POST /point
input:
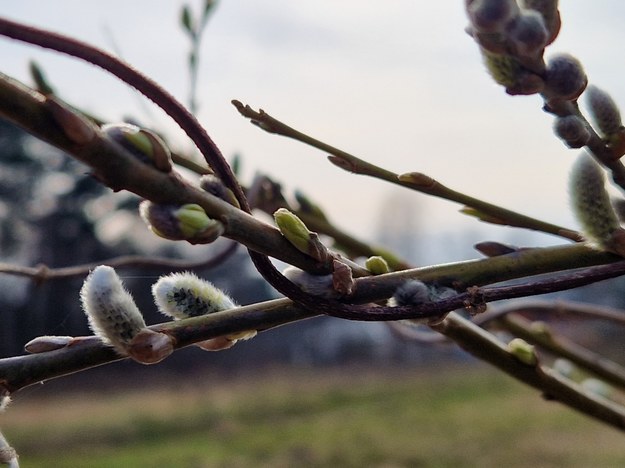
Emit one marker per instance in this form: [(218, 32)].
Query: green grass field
[(340, 418)]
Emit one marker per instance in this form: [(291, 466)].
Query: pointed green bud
[(143, 144), (296, 232), (187, 222), (192, 219), (523, 351), (591, 203), (572, 130), (565, 77), (603, 110), (377, 265)]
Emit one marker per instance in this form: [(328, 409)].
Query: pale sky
[(397, 83)]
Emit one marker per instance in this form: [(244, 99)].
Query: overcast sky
[(397, 83)]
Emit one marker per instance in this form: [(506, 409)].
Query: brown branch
[(41, 273)]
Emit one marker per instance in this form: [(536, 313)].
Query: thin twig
[(415, 181), (41, 273), (556, 309)]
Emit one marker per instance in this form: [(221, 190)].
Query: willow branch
[(415, 181), (486, 347), (554, 309), (562, 347), (17, 372), (119, 170), (41, 273)]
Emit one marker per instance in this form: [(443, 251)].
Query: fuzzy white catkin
[(112, 313), (591, 203), (184, 295)]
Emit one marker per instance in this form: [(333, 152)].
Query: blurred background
[(399, 84)]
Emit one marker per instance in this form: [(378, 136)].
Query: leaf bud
[(565, 77), (143, 144), (296, 232), (187, 222), (523, 351), (43, 344), (377, 265), (572, 130)]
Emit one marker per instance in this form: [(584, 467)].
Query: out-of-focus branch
[(415, 181), (486, 347), (41, 273), (562, 347), (554, 310)]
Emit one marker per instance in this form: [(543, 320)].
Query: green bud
[(187, 222), (299, 235), (394, 262), (143, 144), (377, 265), (523, 351), (192, 219)]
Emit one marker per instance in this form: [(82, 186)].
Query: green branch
[(415, 181)]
